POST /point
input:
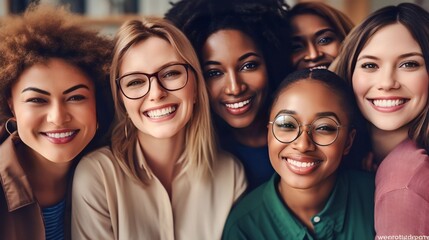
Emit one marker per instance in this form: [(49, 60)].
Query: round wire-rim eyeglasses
[(326, 128)]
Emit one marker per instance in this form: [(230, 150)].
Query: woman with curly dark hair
[(243, 48), (52, 80)]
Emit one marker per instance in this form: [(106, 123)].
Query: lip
[(62, 136), (388, 104), (301, 165), (238, 107), (161, 113)]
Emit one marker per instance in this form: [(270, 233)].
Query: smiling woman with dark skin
[(311, 129), (244, 50), (317, 33)]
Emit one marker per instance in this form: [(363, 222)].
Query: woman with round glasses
[(310, 196), (163, 176)]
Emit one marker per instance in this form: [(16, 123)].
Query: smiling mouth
[(301, 167), (238, 105), (61, 135), (386, 103), (300, 164), (160, 113), (323, 66)]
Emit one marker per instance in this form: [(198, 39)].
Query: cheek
[(87, 112), (274, 146), (360, 84), (421, 86), (132, 107), (296, 57), (333, 48), (214, 88)]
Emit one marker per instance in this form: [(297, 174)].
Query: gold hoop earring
[(6, 125)]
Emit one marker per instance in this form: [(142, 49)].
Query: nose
[(156, 91), (304, 143), (313, 53), (234, 84), (58, 114), (388, 79)]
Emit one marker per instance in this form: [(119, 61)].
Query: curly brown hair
[(45, 32)]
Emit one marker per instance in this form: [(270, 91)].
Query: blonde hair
[(200, 146)]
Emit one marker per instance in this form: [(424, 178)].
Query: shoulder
[(248, 211), (358, 177), (406, 167), (92, 164), (360, 184), (407, 150), (100, 156), (226, 160)]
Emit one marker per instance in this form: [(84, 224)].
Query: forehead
[(308, 22), (308, 98), (55, 74), (390, 41), (148, 55), (228, 42)]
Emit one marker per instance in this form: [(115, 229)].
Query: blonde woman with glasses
[(163, 176)]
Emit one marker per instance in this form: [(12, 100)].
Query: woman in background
[(317, 33), (385, 59), (244, 51), (51, 89), (163, 176)]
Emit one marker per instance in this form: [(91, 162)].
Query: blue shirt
[(255, 160), (54, 221)]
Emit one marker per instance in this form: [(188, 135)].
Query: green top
[(348, 214)]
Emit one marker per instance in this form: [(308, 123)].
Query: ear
[(10, 103), (349, 142)]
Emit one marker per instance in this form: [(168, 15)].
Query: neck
[(254, 135), (162, 154), (383, 142), (48, 179), (305, 203)]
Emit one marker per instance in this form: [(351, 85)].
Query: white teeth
[(159, 113), (301, 164), (60, 135), (238, 104), (388, 103), (320, 67)]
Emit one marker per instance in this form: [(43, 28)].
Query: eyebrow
[(48, 94), (320, 114), (318, 33), (157, 69), (241, 58), (249, 54), (75, 88), (405, 55), (322, 31)]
